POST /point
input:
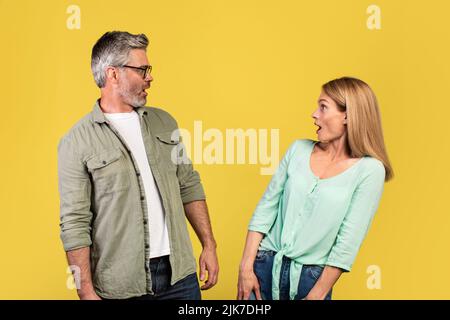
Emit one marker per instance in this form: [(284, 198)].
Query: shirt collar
[(98, 116)]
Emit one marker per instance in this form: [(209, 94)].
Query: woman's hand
[(325, 283), (312, 297), (247, 283)]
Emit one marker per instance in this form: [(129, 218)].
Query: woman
[(316, 211)]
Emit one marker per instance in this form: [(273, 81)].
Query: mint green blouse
[(316, 221)]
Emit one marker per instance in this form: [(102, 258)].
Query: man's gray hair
[(112, 49)]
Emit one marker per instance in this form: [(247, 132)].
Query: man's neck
[(113, 105)]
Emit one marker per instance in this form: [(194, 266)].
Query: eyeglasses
[(144, 71)]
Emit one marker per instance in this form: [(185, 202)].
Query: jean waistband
[(161, 258)]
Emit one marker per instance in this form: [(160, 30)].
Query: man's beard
[(132, 95)]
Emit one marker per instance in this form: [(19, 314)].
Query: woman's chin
[(319, 136)]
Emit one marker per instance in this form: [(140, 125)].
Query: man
[(125, 194)]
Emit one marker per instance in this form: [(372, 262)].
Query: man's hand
[(208, 263), (80, 258), (89, 296), (197, 214)]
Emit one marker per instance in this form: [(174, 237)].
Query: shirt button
[(147, 246), (145, 221), (142, 198), (138, 174), (104, 162)]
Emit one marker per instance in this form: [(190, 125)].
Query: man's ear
[(112, 74)]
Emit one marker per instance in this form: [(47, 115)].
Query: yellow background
[(233, 64)]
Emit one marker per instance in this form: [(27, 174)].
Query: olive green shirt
[(103, 206)]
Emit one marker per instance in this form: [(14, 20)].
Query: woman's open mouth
[(319, 128)]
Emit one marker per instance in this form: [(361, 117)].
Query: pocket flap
[(103, 158), (169, 137)]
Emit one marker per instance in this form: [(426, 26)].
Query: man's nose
[(149, 78)]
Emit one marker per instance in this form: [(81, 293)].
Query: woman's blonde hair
[(364, 131)]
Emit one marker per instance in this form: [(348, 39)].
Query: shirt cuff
[(344, 267), (193, 194)]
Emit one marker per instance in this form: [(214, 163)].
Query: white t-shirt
[(129, 128)]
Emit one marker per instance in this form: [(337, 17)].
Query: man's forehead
[(138, 56)]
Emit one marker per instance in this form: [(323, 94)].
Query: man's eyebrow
[(325, 100), (144, 65)]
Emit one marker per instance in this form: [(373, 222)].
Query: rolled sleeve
[(191, 188), (75, 190), (359, 216)]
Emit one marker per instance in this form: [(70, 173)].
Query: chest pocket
[(109, 171), (170, 149)]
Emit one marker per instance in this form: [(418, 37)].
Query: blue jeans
[(185, 289), (263, 270)]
